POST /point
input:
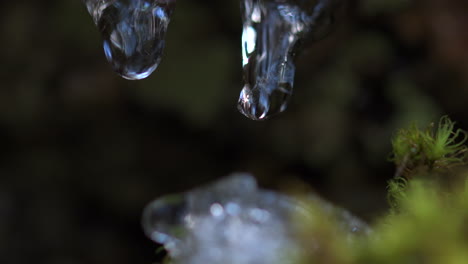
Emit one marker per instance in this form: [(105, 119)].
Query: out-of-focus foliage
[(429, 228), (430, 225)]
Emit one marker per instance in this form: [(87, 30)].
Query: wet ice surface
[(133, 33), (231, 222), (272, 32)]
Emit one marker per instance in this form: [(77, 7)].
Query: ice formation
[(272, 33), (231, 221), (133, 33)]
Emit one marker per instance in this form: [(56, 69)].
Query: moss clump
[(431, 149), (428, 220), (428, 153), (430, 227), (396, 192)]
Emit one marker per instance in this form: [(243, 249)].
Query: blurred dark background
[(82, 150)]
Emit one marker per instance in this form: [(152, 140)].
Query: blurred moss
[(430, 225)]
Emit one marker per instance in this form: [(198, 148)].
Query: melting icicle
[(232, 221), (272, 30), (133, 33)]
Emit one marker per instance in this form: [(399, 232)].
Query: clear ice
[(133, 33), (231, 221), (272, 32)]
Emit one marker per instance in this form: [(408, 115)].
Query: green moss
[(425, 153), (429, 228), (396, 192), (432, 148), (428, 220), (441, 148)]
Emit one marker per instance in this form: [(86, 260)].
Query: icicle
[(133, 32), (272, 31)]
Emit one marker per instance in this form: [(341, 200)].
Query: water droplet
[(272, 31), (133, 33)]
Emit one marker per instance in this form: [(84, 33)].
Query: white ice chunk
[(230, 222)]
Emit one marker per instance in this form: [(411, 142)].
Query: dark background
[(82, 150)]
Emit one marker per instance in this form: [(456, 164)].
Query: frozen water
[(272, 32), (230, 222), (133, 33)]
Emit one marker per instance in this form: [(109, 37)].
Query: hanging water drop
[(133, 33), (272, 31)]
